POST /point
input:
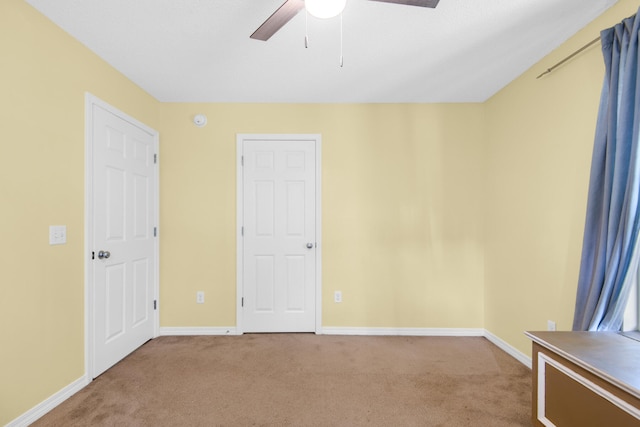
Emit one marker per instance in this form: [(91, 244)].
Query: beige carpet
[(306, 380)]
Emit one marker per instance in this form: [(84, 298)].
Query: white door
[(121, 237), (280, 236)]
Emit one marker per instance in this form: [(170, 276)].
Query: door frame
[(90, 102), (240, 139)]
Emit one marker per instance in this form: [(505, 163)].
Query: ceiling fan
[(290, 8)]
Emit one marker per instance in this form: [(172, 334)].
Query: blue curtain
[(610, 246)]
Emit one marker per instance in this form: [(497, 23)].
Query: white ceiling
[(200, 50)]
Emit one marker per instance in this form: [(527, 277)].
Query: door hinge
[(155, 158), (93, 255), (242, 302), (242, 231), (155, 304), (241, 160), (155, 231)]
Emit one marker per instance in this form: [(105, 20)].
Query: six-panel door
[(123, 233), (279, 243)]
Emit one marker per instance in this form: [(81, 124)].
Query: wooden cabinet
[(585, 379)]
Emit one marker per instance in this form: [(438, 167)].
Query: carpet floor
[(306, 380)]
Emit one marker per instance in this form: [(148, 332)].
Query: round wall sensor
[(200, 120)]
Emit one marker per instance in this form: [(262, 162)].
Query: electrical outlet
[(200, 297), (57, 234), (551, 325), (337, 296)]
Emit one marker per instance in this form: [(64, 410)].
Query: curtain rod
[(592, 42)]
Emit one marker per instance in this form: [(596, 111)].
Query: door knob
[(104, 254), (309, 245)]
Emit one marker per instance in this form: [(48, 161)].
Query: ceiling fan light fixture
[(324, 9)]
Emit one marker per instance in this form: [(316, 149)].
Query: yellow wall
[(434, 216), (401, 211), (44, 74), (539, 143)]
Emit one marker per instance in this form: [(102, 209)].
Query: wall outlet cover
[(337, 296), (57, 234)]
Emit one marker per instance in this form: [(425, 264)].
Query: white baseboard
[(47, 405), (197, 330), (415, 332), (509, 349)]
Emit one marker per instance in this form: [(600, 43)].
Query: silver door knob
[(104, 254), (309, 245)]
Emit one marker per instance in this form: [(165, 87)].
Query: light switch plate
[(57, 234)]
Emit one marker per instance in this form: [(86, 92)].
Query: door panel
[(279, 276), (113, 305), (123, 201), (296, 295), (264, 284), (141, 224), (141, 288), (264, 208)]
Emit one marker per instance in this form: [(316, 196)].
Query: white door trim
[(240, 138), (90, 101)]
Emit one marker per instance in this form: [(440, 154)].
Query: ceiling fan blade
[(421, 3), (288, 10)]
